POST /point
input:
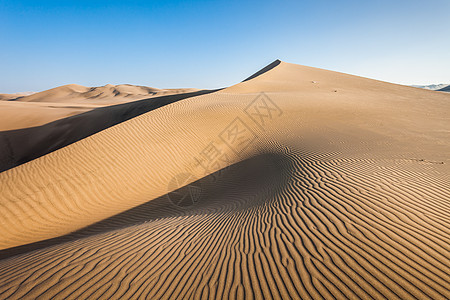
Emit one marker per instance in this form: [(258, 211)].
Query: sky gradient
[(212, 44)]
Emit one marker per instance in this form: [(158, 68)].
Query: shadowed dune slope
[(446, 89), (234, 180), (264, 70), (22, 145), (19, 115), (298, 183)]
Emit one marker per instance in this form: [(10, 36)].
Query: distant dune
[(33, 109), (22, 145), (445, 89), (296, 183), (9, 97), (74, 93), (433, 87)]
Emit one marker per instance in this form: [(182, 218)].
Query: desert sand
[(295, 183), (33, 109)]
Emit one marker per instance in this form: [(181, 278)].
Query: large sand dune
[(296, 183)]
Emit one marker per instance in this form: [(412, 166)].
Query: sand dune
[(22, 145), (11, 97), (296, 183), (34, 109), (75, 93), (445, 89)]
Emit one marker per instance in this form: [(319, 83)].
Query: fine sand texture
[(22, 145), (297, 183)]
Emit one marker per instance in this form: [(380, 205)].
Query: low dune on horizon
[(296, 183), (32, 109)]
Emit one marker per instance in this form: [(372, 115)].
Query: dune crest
[(297, 183)]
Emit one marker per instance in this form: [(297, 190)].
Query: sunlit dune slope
[(299, 182)]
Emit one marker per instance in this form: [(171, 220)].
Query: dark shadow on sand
[(23, 145), (264, 70), (247, 184)]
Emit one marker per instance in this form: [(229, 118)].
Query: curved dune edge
[(350, 202), (264, 70), (23, 145)]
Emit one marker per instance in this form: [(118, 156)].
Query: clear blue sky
[(209, 44)]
